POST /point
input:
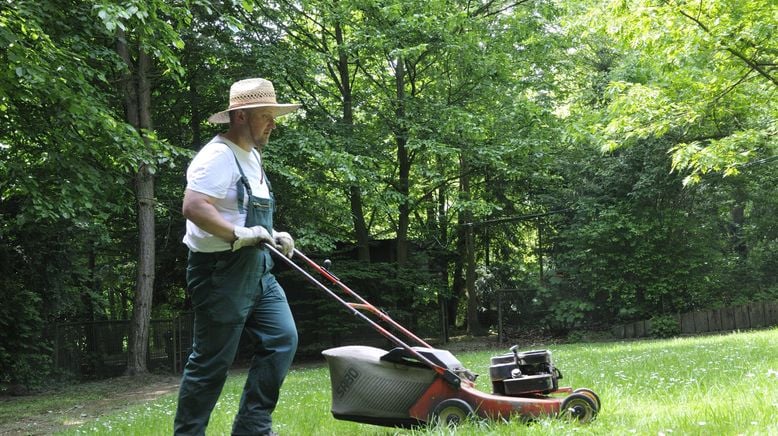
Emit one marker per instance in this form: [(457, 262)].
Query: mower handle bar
[(447, 374)]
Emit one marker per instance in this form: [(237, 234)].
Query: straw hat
[(250, 93)]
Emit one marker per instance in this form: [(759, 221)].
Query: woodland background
[(612, 161)]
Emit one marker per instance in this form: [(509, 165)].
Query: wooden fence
[(748, 316)]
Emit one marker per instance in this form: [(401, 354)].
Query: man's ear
[(238, 115)]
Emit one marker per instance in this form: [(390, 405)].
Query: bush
[(25, 359), (665, 326)]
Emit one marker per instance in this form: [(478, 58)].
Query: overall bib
[(231, 291)]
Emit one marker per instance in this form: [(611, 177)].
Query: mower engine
[(523, 373)]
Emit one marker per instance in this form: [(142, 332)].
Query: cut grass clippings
[(722, 385)]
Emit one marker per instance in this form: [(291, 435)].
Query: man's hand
[(246, 237), (284, 243)]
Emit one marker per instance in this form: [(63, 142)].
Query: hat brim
[(277, 110)]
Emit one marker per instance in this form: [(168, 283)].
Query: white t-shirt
[(213, 172)]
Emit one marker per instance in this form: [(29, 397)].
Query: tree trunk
[(355, 192), (128, 84), (360, 225), (458, 287), (138, 105), (473, 327), (737, 221), (442, 262), (403, 166), (144, 287), (196, 116)]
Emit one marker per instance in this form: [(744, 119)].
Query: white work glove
[(284, 243), (248, 236)]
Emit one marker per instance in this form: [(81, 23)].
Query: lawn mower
[(416, 385)]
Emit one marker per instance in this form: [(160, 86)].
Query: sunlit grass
[(723, 385)]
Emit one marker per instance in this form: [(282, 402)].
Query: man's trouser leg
[(272, 327), (204, 375), (224, 287)]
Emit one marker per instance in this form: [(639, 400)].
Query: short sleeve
[(211, 171)]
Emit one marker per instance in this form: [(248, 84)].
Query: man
[(229, 205)]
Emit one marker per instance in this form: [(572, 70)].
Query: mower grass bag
[(367, 389)]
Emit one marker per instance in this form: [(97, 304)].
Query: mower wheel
[(451, 412), (578, 407), (592, 396)]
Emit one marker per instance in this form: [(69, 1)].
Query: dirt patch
[(49, 412)]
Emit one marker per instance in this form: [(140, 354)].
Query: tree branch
[(485, 12), (733, 86), (737, 53)]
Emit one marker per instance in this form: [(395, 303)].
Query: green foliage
[(708, 83), (665, 326), (155, 22), (23, 356), (619, 247), (67, 163), (568, 314), (51, 80)]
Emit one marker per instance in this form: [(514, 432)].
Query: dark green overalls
[(231, 291)]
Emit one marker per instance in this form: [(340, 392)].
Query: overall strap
[(264, 175), (243, 182)]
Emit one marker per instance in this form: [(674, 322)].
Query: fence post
[(701, 321), (640, 329), (756, 314), (771, 312), (741, 318), (714, 320), (629, 330), (687, 323), (618, 331)]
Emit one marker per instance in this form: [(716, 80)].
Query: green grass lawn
[(711, 385)]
